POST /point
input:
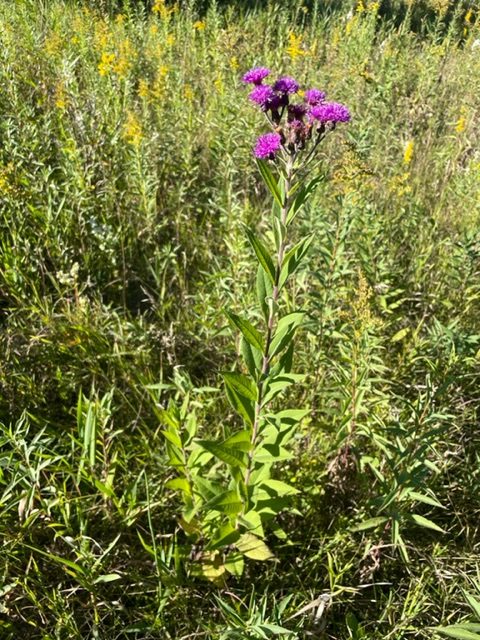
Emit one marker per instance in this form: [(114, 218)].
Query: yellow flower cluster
[(199, 25), (370, 7), (161, 9), (106, 63), (6, 187), (132, 129), (295, 47), (399, 185), (60, 96), (125, 58), (440, 6), (408, 152)]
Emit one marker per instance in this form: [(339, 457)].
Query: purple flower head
[(256, 75), (314, 97), (286, 85), (267, 145), (296, 111), (330, 112), (262, 94)]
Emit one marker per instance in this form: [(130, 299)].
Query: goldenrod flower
[(106, 63), (408, 152), (132, 130), (295, 49)]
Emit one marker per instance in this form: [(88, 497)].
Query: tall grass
[(125, 179)]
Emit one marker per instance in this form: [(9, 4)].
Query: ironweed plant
[(227, 487)]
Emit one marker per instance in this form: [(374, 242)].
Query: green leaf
[(233, 457), (254, 548), (278, 487), (301, 198), (252, 521), (372, 523), (285, 331), (424, 522), (226, 535), (179, 484), (293, 258), (262, 254), (240, 440), (227, 502), (252, 357), (474, 605), (241, 384), (458, 631), (420, 497), (279, 383), (243, 405), (107, 577), (270, 181), (264, 291), (251, 335), (234, 564), (174, 438), (400, 335)]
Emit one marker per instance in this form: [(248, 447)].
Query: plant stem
[(271, 319)]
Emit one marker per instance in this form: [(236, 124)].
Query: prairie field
[(147, 491)]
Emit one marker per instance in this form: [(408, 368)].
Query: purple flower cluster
[(295, 124), (268, 145)]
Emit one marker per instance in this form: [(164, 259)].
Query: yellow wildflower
[(295, 49), (234, 63), (124, 61), (408, 152), (60, 96), (53, 43), (132, 130), (469, 16), (188, 92), (460, 126), (199, 25), (218, 83), (106, 63), (160, 8), (143, 89), (170, 41), (440, 6)]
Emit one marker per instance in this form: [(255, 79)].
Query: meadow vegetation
[(126, 182)]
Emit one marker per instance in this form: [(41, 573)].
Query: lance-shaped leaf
[(262, 254), (466, 631), (301, 198), (277, 384), (270, 182), (252, 357), (285, 331), (233, 457), (251, 335), (371, 523), (242, 394), (228, 502), (293, 259), (421, 521), (240, 440), (264, 290)]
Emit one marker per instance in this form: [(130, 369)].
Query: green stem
[(270, 322)]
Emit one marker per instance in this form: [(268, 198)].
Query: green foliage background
[(126, 175)]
